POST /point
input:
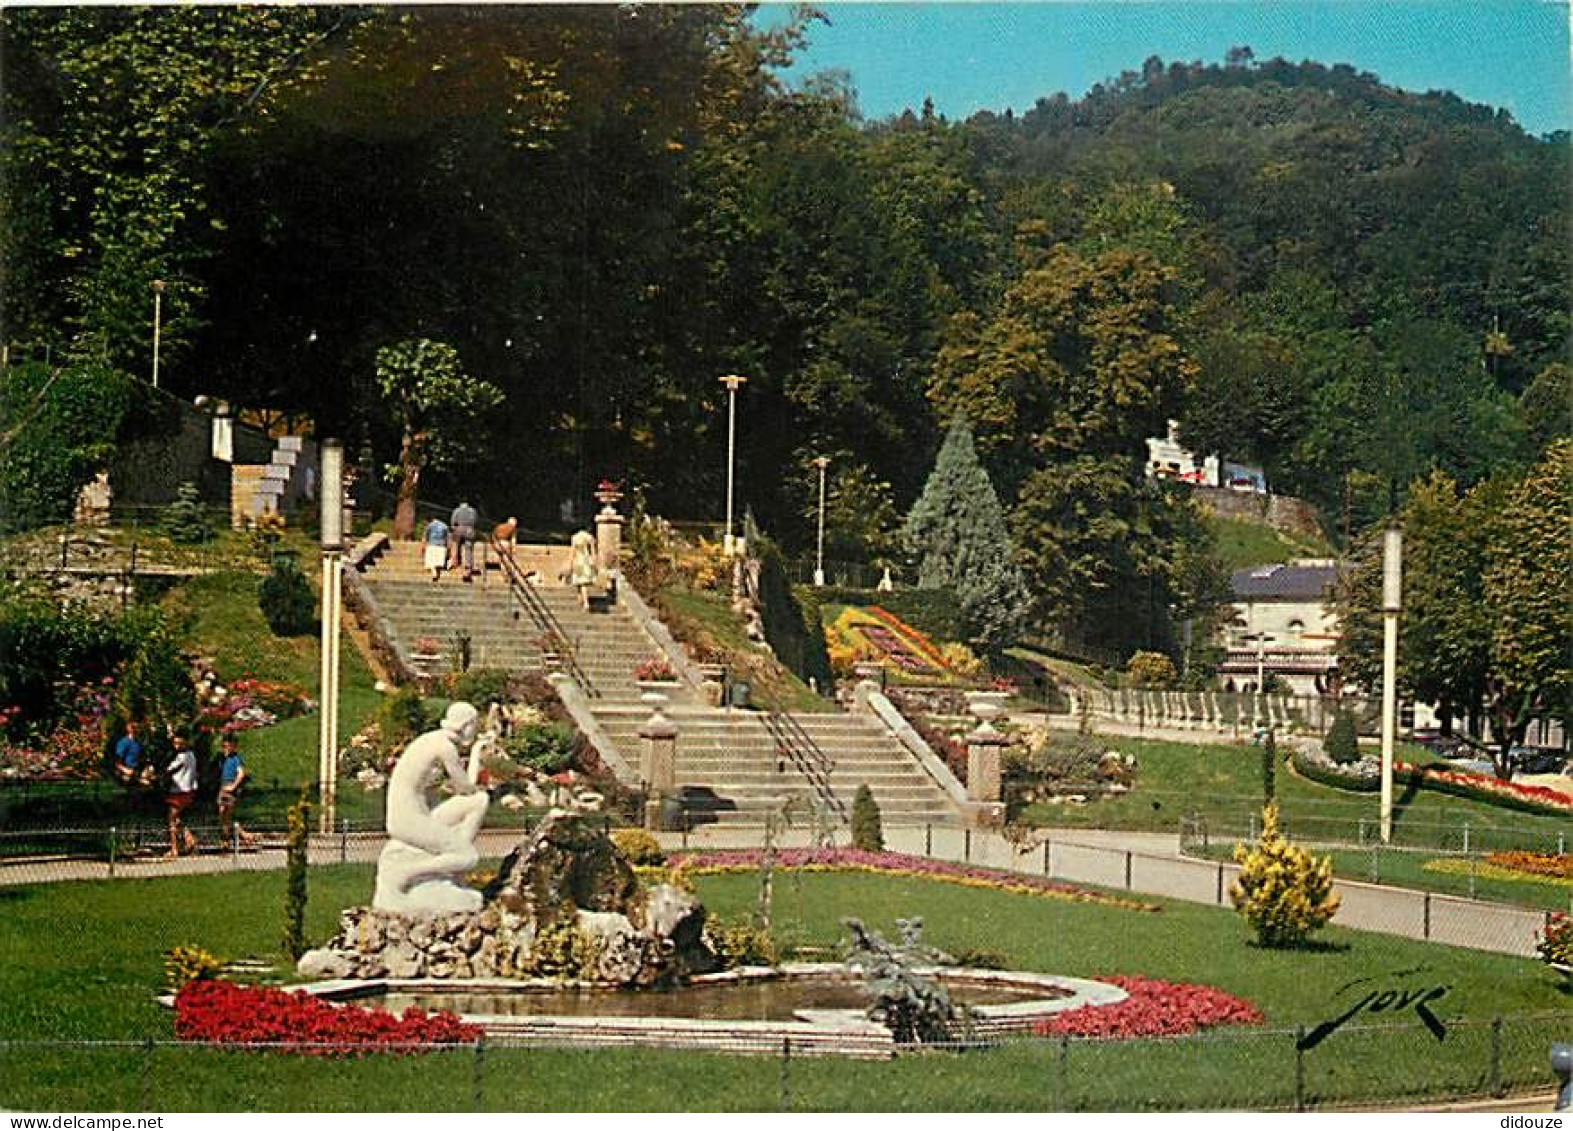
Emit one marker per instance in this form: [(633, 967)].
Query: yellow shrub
[(961, 660), (1283, 891), (638, 846)]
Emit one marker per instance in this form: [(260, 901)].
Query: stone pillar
[(657, 759), (608, 538), (984, 748)]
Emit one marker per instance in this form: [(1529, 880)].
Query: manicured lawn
[(82, 961), (1223, 786), (773, 686)]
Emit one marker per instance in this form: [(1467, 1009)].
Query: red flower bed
[(1154, 1009), (229, 1014), (1537, 798)]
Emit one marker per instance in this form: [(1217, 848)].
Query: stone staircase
[(734, 766), (264, 488)]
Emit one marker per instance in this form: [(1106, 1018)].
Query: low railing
[(806, 755)]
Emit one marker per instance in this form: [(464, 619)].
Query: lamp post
[(158, 323), (820, 462), (331, 500), (732, 382), (1392, 603)]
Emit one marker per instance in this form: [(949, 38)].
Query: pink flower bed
[(1154, 1009), (895, 864)]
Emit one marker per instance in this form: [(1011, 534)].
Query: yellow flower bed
[(1455, 867)]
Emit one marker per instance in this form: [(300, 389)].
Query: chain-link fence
[(1372, 1065)]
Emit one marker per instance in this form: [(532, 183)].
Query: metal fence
[(1373, 1065)]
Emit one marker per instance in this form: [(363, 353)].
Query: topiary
[(286, 600), (867, 832), (1342, 744), (1282, 891)]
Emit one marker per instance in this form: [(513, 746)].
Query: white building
[(1166, 459), (1285, 625)]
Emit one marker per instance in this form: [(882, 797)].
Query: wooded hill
[(603, 210)]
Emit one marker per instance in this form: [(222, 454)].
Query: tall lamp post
[(1392, 603), (158, 323), (732, 382), (330, 490), (820, 462)]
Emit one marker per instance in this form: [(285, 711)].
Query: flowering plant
[(896, 864), (74, 749), (229, 1014), (427, 645), (1532, 797), (1153, 1009), (1556, 865), (1555, 943), (655, 668), (249, 703)]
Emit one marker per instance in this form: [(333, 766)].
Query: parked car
[(1537, 759), (1440, 745)]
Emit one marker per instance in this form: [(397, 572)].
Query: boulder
[(324, 962), (567, 864)]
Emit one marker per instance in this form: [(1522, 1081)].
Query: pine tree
[(956, 531), (868, 832)]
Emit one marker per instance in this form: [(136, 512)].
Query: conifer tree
[(956, 531)]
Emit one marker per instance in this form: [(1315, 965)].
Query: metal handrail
[(812, 762), (545, 621)]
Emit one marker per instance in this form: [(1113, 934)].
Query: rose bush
[(230, 1014)]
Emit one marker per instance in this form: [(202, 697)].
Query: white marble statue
[(422, 868)]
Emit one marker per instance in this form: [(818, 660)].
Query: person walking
[(435, 540), (182, 771), (581, 567), (463, 522), (231, 776)]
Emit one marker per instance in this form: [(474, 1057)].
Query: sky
[(975, 56)]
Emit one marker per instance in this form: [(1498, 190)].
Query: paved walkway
[(1142, 863)]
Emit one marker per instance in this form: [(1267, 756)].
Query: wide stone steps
[(728, 763)]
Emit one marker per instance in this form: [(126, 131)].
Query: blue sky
[(987, 56)]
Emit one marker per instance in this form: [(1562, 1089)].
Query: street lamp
[(158, 321), (821, 462), (732, 382), (1392, 603), (331, 526)]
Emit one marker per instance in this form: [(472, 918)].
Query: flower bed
[(1365, 776), (249, 703), (1153, 1009), (1555, 865), (895, 864), (1453, 866), (229, 1014)]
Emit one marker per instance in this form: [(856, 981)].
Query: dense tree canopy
[(603, 209)]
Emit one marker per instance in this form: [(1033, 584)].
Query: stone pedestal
[(608, 538), (657, 761), (984, 748)]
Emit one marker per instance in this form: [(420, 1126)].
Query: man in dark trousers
[(464, 520)]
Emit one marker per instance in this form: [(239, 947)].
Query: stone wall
[(1283, 513)]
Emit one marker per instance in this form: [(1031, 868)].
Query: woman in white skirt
[(436, 542)]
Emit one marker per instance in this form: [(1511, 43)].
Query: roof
[(1284, 582)]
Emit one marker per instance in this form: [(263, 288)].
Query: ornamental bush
[(184, 520), (1151, 669), (868, 835), (1342, 744), (286, 600), (1282, 891), (639, 847), (742, 944)]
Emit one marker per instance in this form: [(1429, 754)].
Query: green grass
[(1223, 786), (1241, 543), (689, 613), (83, 961)]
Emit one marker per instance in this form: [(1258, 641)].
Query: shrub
[(481, 686), (185, 964), (295, 877), (401, 717), (1151, 669), (547, 748), (1282, 891), (742, 944), (980, 958), (867, 833), (961, 660), (184, 520), (791, 618), (641, 848), (286, 600), (562, 950), (1341, 743)]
